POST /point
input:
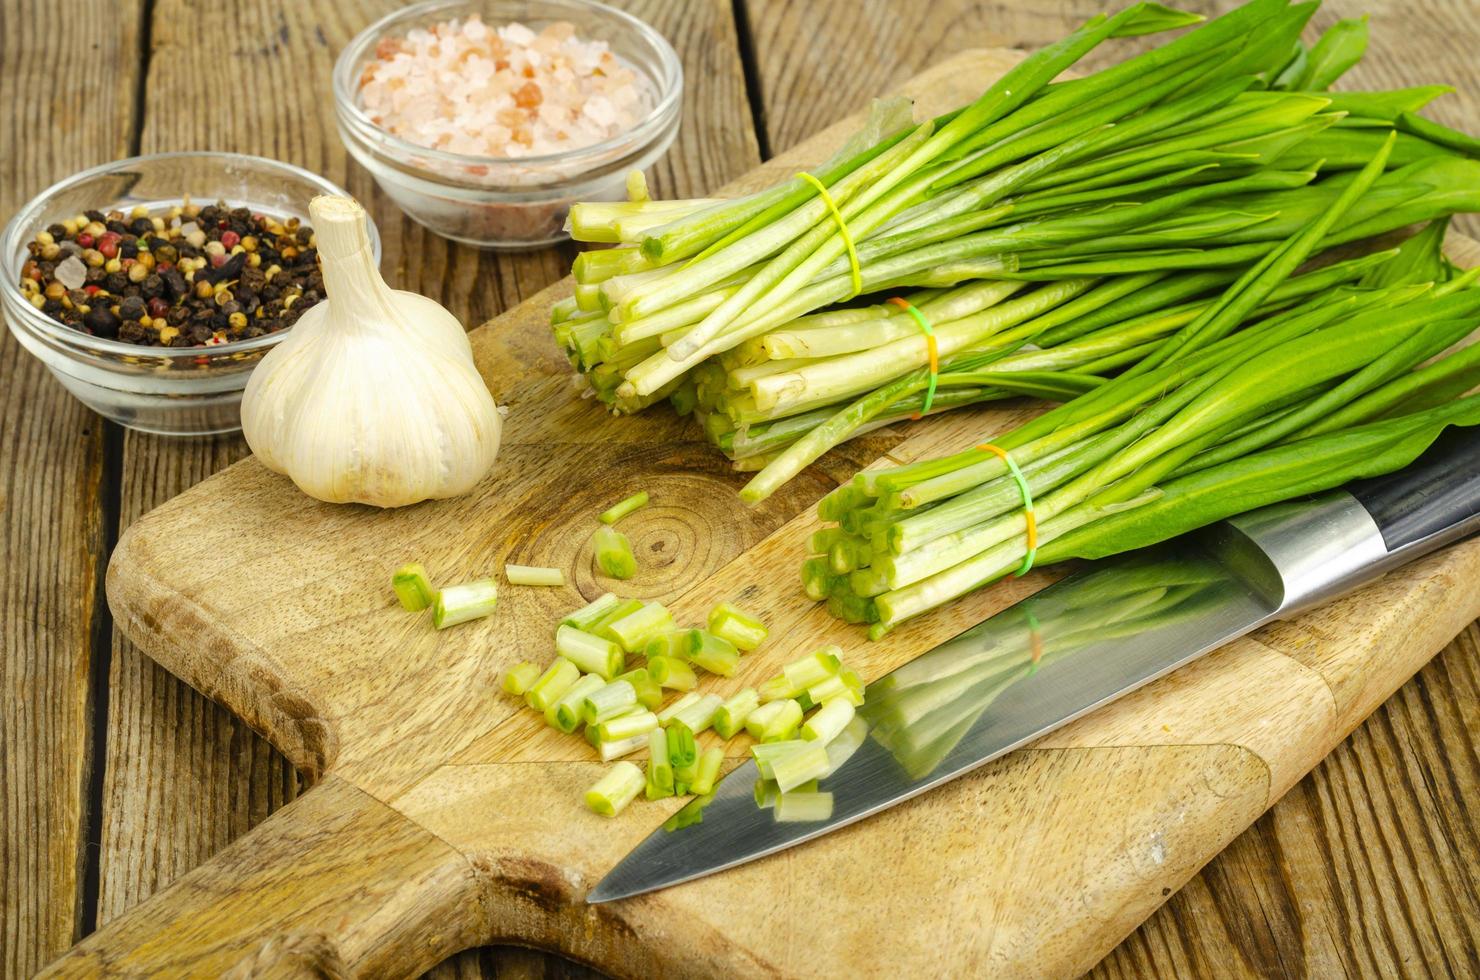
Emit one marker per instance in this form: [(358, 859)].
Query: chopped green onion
[(621, 747), (803, 761), (732, 624), (778, 688), (803, 807), (699, 715), (848, 741), (626, 726), (813, 668), (767, 753), (730, 718), (533, 575), (589, 615), (592, 654), (634, 630), (608, 701), (623, 609), (672, 673), (620, 510), (614, 553), (682, 752), (709, 765), (665, 645), (829, 720), (565, 714), (683, 776), (554, 682), (461, 603), (615, 790), (766, 792), (649, 694), (687, 700), (659, 772), (716, 655), (413, 587), (521, 677), (768, 724), (845, 684)]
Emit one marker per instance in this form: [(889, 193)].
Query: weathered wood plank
[(1317, 885), (66, 83), (184, 776)]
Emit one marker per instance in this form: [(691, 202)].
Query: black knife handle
[(1438, 490)]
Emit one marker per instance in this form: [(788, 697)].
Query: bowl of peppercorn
[(152, 286)]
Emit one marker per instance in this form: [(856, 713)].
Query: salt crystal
[(70, 272), (465, 88)]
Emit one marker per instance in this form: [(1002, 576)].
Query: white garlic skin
[(373, 397)]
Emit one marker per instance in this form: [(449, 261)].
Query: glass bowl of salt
[(485, 120)]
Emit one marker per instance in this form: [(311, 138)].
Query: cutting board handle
[(334, 884)]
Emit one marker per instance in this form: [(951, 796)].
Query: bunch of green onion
[(1232, 412), (1053, 235)]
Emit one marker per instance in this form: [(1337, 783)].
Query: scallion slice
[(665, 645), (533, 575), (730, 718), (591, 654), (634, 630), (828, 721), (682, 750), (774, 724), (608, 701), (716, 655), (672, 673), (649, 694), (520, 677), (689, 699), (614, 553), (699, 715), (565, 713), (758, 718), (813, 668), (413, 588), (802, 761), (554, 682), (778, 688), (622, 608), (659, 772), (621, 747), (626, 726), (621, 509), (461, 603), (766, 792), (615, 790), (589, 615), (709, 765), (836, 686), (803, 807), (737, 627)]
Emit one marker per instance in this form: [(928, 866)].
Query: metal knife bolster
[(1306, 552)]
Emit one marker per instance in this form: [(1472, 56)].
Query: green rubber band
[(909, 308), (1028, 516)]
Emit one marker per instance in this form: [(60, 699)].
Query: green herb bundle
[(1052, 234)]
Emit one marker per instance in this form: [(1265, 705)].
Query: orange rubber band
[(1029, 518)]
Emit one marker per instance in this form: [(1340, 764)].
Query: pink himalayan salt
[(466, 88)]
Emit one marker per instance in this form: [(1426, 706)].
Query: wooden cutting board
[(445, 815)]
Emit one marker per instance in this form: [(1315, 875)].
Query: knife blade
[(1076, 645)]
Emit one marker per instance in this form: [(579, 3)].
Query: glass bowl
[(510, 202), (166, 390)]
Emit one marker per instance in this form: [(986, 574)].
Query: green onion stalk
[(1051, 236)]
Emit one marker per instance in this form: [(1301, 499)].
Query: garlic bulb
[(373, 397)]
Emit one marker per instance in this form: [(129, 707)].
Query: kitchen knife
[(1084, 641)]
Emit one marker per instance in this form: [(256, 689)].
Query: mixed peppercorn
[(194, 276)]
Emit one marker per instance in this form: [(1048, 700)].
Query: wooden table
[(117, 778)]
